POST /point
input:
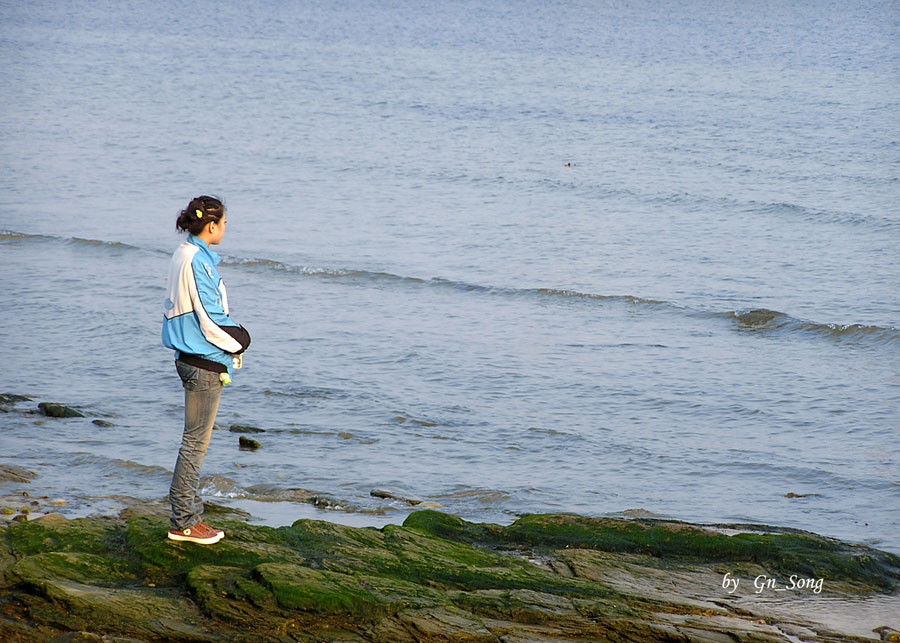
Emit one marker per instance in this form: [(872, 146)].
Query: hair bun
[(199, 212)]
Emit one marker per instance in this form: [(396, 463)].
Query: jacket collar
[(200, 243)]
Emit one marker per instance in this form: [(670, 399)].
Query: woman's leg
[(202, 389)]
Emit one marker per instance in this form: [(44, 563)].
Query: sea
[(497, 257)]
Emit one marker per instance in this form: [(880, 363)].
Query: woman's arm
[(215, 324), (240, 334)]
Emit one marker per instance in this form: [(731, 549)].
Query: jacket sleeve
[(240, 334), (207, 304)]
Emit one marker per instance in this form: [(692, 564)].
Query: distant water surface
[(500, 257)]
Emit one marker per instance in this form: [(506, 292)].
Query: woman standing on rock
[(208, 344)]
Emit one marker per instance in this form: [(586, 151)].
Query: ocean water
[(501, 257)]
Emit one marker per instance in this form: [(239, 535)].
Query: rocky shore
[(556, 577), (438, 578)]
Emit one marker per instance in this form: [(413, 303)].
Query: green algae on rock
[(755, 318), (434, 578), (781, 550), (248, 444), (388, 495), (52, 409), (12, 398), (245, 428), (10, 472), (8, 401)]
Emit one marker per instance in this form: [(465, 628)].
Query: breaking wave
[(11, 236), (760, 319), (764, 319)]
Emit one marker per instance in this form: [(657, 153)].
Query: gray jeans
[(201, 402)]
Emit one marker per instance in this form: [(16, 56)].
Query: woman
[(208, 344)]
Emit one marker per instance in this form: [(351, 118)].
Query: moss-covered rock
[(245, 428), (8, 401), (54, 533), (787, 552), (12, 398), (312, 590), (13, 473), (754, 318), (248, 444), (435, 578), (52, 409), (73, 566), (165, 562)]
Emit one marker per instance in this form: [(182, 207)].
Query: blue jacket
[(196, 322)]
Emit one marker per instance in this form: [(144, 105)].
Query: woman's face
[(216, 231)]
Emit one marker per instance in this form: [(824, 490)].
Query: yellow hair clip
[(199, 214)]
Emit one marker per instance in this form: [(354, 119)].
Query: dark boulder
[(54, 410)]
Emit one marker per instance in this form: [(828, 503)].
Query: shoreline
[(287, 506), (351, 503)]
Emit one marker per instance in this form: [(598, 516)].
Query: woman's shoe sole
[(199, 541)]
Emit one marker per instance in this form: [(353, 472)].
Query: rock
[(887, 633), (16, 474), (324, 502), (12, 398), (52, 409), (245, 428), (788, 551), (434, 578), (89, 637), (248, 444), (271, 493), (103, 424), (159, 507), (754, 318), (8, 401), (59, 502), (390, 496), (211, 509), (79, 637)]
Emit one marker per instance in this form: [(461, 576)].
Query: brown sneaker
[(218, 531), (201, 533)]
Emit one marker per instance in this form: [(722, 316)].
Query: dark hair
[(198, 213)]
